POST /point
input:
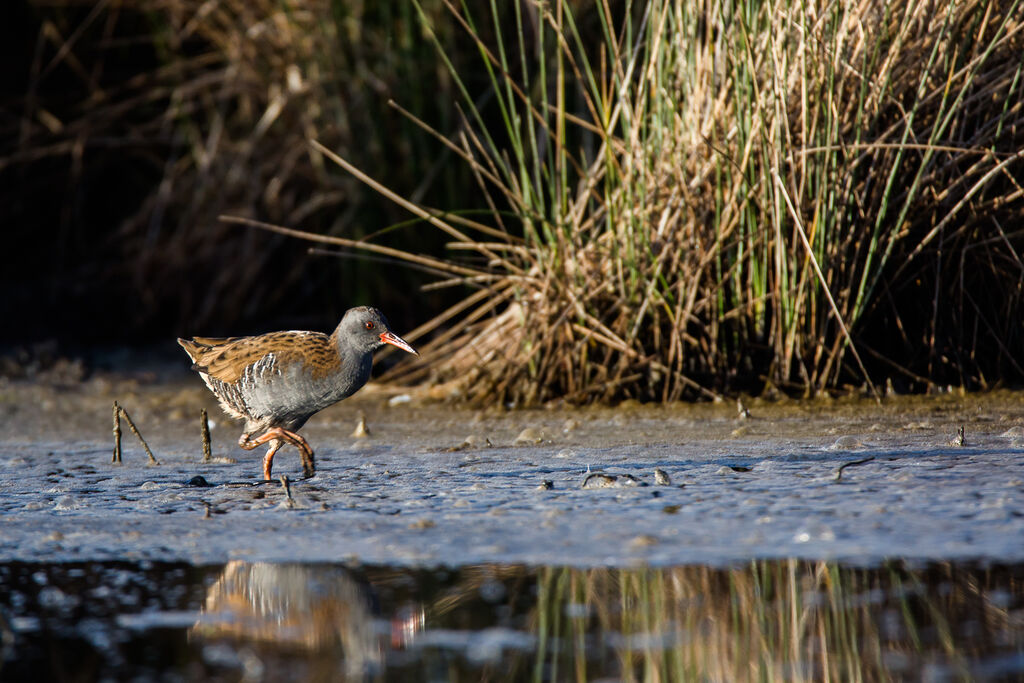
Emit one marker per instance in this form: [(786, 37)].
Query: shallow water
[(807, 539), (262, 621)]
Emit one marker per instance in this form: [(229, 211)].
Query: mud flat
[(436, 485), (815, 540)]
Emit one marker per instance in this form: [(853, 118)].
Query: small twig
[(207, 452), (117, 434), (135, 431), (839, 472), (361, 431), (287, 484), (742, 412), (958, 440)]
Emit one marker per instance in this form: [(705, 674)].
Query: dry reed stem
[(120, 412), (204, 425), (116, 458)]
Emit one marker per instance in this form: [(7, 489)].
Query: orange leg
[(268, 459), (279, 435)]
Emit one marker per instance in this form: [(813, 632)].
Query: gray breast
[(288, 396)]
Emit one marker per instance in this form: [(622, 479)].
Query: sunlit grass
[(723, 197), (685, 200)]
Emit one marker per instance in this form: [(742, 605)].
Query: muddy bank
[(436, 485)]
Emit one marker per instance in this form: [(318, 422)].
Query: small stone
[(671, 509), (599, 480), (546, 485), (399, 400), (528, 437), (198, 480), (361, 432), (846, 443), (570, 425), (422, 524), (66, 503), (644, 540), (661, 477), (471, 441)]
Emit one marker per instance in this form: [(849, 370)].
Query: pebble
[(361, 432), (422, 524), (846, 443), (66, 503), (528, 437), (600, 480), (644, 540), (471, 441)]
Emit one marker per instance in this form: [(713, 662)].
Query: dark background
[(106, 246)]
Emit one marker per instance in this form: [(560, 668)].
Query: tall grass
[(724, 196), (683, 199)]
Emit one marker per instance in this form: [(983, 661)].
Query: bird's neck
[(348, 355)]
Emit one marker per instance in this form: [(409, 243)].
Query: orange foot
[(278, 436)]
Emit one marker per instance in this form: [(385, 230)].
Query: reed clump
[(683, 200), (738, 196)]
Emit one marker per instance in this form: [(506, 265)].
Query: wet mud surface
[(436, 485), (813, 540)]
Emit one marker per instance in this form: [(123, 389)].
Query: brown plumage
[(277, 381)]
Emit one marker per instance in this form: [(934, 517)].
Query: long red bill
[(395, 340)]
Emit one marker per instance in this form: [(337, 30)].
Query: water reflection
[(308, 608), (765, 620)]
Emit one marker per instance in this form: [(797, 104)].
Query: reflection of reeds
[(787, 620)]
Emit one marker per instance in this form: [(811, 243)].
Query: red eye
[(368, 324)]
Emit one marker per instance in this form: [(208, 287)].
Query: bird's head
[(365, 329)]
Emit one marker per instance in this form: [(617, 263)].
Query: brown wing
[(226, 359)]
